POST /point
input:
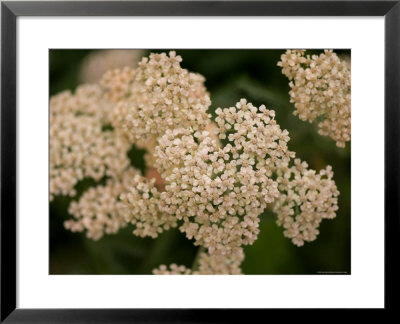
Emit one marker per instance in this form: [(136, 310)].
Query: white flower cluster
[(306, 198), (218, 193), (209, 264), (98, 211), (162, 96), (211, 180), (320, 89), (79, 146)]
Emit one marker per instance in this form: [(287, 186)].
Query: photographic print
[(200, 161)]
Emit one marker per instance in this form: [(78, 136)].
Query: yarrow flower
[(320, 90), (80, 147), (98, 211), (162, 96), (219, 192), (306, 198), (210, 179)]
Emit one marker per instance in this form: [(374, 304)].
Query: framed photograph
[(190, 161)]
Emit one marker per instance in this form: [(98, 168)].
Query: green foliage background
[(230, 75)]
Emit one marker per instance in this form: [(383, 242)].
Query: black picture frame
[(11, 10)]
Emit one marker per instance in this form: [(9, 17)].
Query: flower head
[(80, 147), (99, 211), (217, 193), (161, 96), (320, 89), (306, 198)]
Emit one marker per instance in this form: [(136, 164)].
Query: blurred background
[(230, 75)]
